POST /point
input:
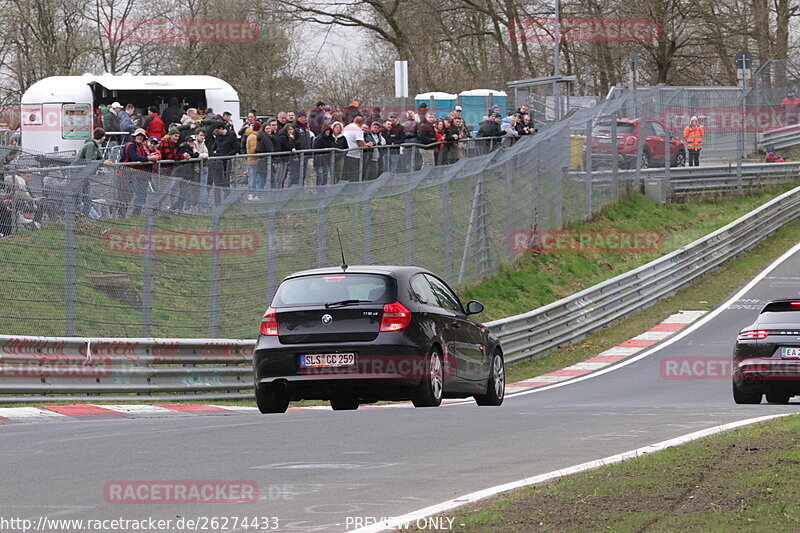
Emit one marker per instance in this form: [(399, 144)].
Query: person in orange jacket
[(693, 137)]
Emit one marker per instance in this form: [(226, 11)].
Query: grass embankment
[(743, 480)]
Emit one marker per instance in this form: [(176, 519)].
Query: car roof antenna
[(344, 263)]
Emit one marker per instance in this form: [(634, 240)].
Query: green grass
[(744, 480)]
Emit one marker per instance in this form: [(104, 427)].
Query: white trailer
[(57, 113)]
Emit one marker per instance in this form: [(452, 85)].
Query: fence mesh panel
[(109, 250)]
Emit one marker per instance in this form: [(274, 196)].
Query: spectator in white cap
[(111, 121)]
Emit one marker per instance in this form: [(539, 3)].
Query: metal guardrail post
[(509, 199)]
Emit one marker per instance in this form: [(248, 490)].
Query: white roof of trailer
[(436, 95), (68, 88), (482, 92)]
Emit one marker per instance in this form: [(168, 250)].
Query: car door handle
[(456, 324)]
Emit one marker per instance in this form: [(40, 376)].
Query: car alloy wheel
[(680, 159), (430, 391), (496, 385)]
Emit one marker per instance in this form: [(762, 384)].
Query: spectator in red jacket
[(154, 126), (790, 106), (168, 148)]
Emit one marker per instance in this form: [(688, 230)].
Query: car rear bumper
[(386, 371), (767, 375)]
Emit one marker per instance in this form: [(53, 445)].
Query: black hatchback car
[(766, 357), (362, 334)]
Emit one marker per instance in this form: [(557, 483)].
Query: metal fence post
[(615, 156), (509, 200), (147, 271), (446, 232), (70, 208), (410, 227), (321, 237), (587, 197), (272, 254), (367, 231), (70, 263), (216, 215)]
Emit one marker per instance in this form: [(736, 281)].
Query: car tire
[(344, 403), (430, 391), (270, 400), (745, 397), (778, 398), (496, 384), (680, 159)]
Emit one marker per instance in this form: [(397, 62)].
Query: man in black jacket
[(490, 131), (427, 135), (225, 144), (173, 113), (395, 135)]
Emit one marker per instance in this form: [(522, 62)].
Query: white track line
[(682, 333), (473, 497)]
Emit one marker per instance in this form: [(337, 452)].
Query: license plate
[(327, 360), (604, 141), (790, 353)]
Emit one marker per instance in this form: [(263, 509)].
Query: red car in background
[(629, 130)]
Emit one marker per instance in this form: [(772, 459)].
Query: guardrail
[(779, 138), (103, 369), (36, 369), (712, 179), (570, 319)]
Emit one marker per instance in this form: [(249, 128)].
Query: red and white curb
[(669, 327), (60, 413)]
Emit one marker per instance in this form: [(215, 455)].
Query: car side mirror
[(474, 307)]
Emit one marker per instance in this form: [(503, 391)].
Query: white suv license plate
[(327, 360), (790, 353)]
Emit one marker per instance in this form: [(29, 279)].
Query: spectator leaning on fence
[(253, 179), (323, 161), (169, 150), (133, 180), (354, 134), (90, 152), (693, 136), (490, 132), (455, 136)]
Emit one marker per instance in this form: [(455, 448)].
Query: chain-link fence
[(196, 249)]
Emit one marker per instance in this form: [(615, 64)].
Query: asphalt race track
[(315, 469)]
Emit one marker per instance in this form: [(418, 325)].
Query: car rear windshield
[(329, 288), (605, 127), (778, 312)]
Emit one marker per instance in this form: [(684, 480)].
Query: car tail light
[(395, 317), (795, 303), (753, 334), (631, 141), (269, 324)]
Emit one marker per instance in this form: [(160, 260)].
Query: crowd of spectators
[(320, 146)]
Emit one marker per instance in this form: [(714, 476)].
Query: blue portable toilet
[(439, 103), (477, 102)]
